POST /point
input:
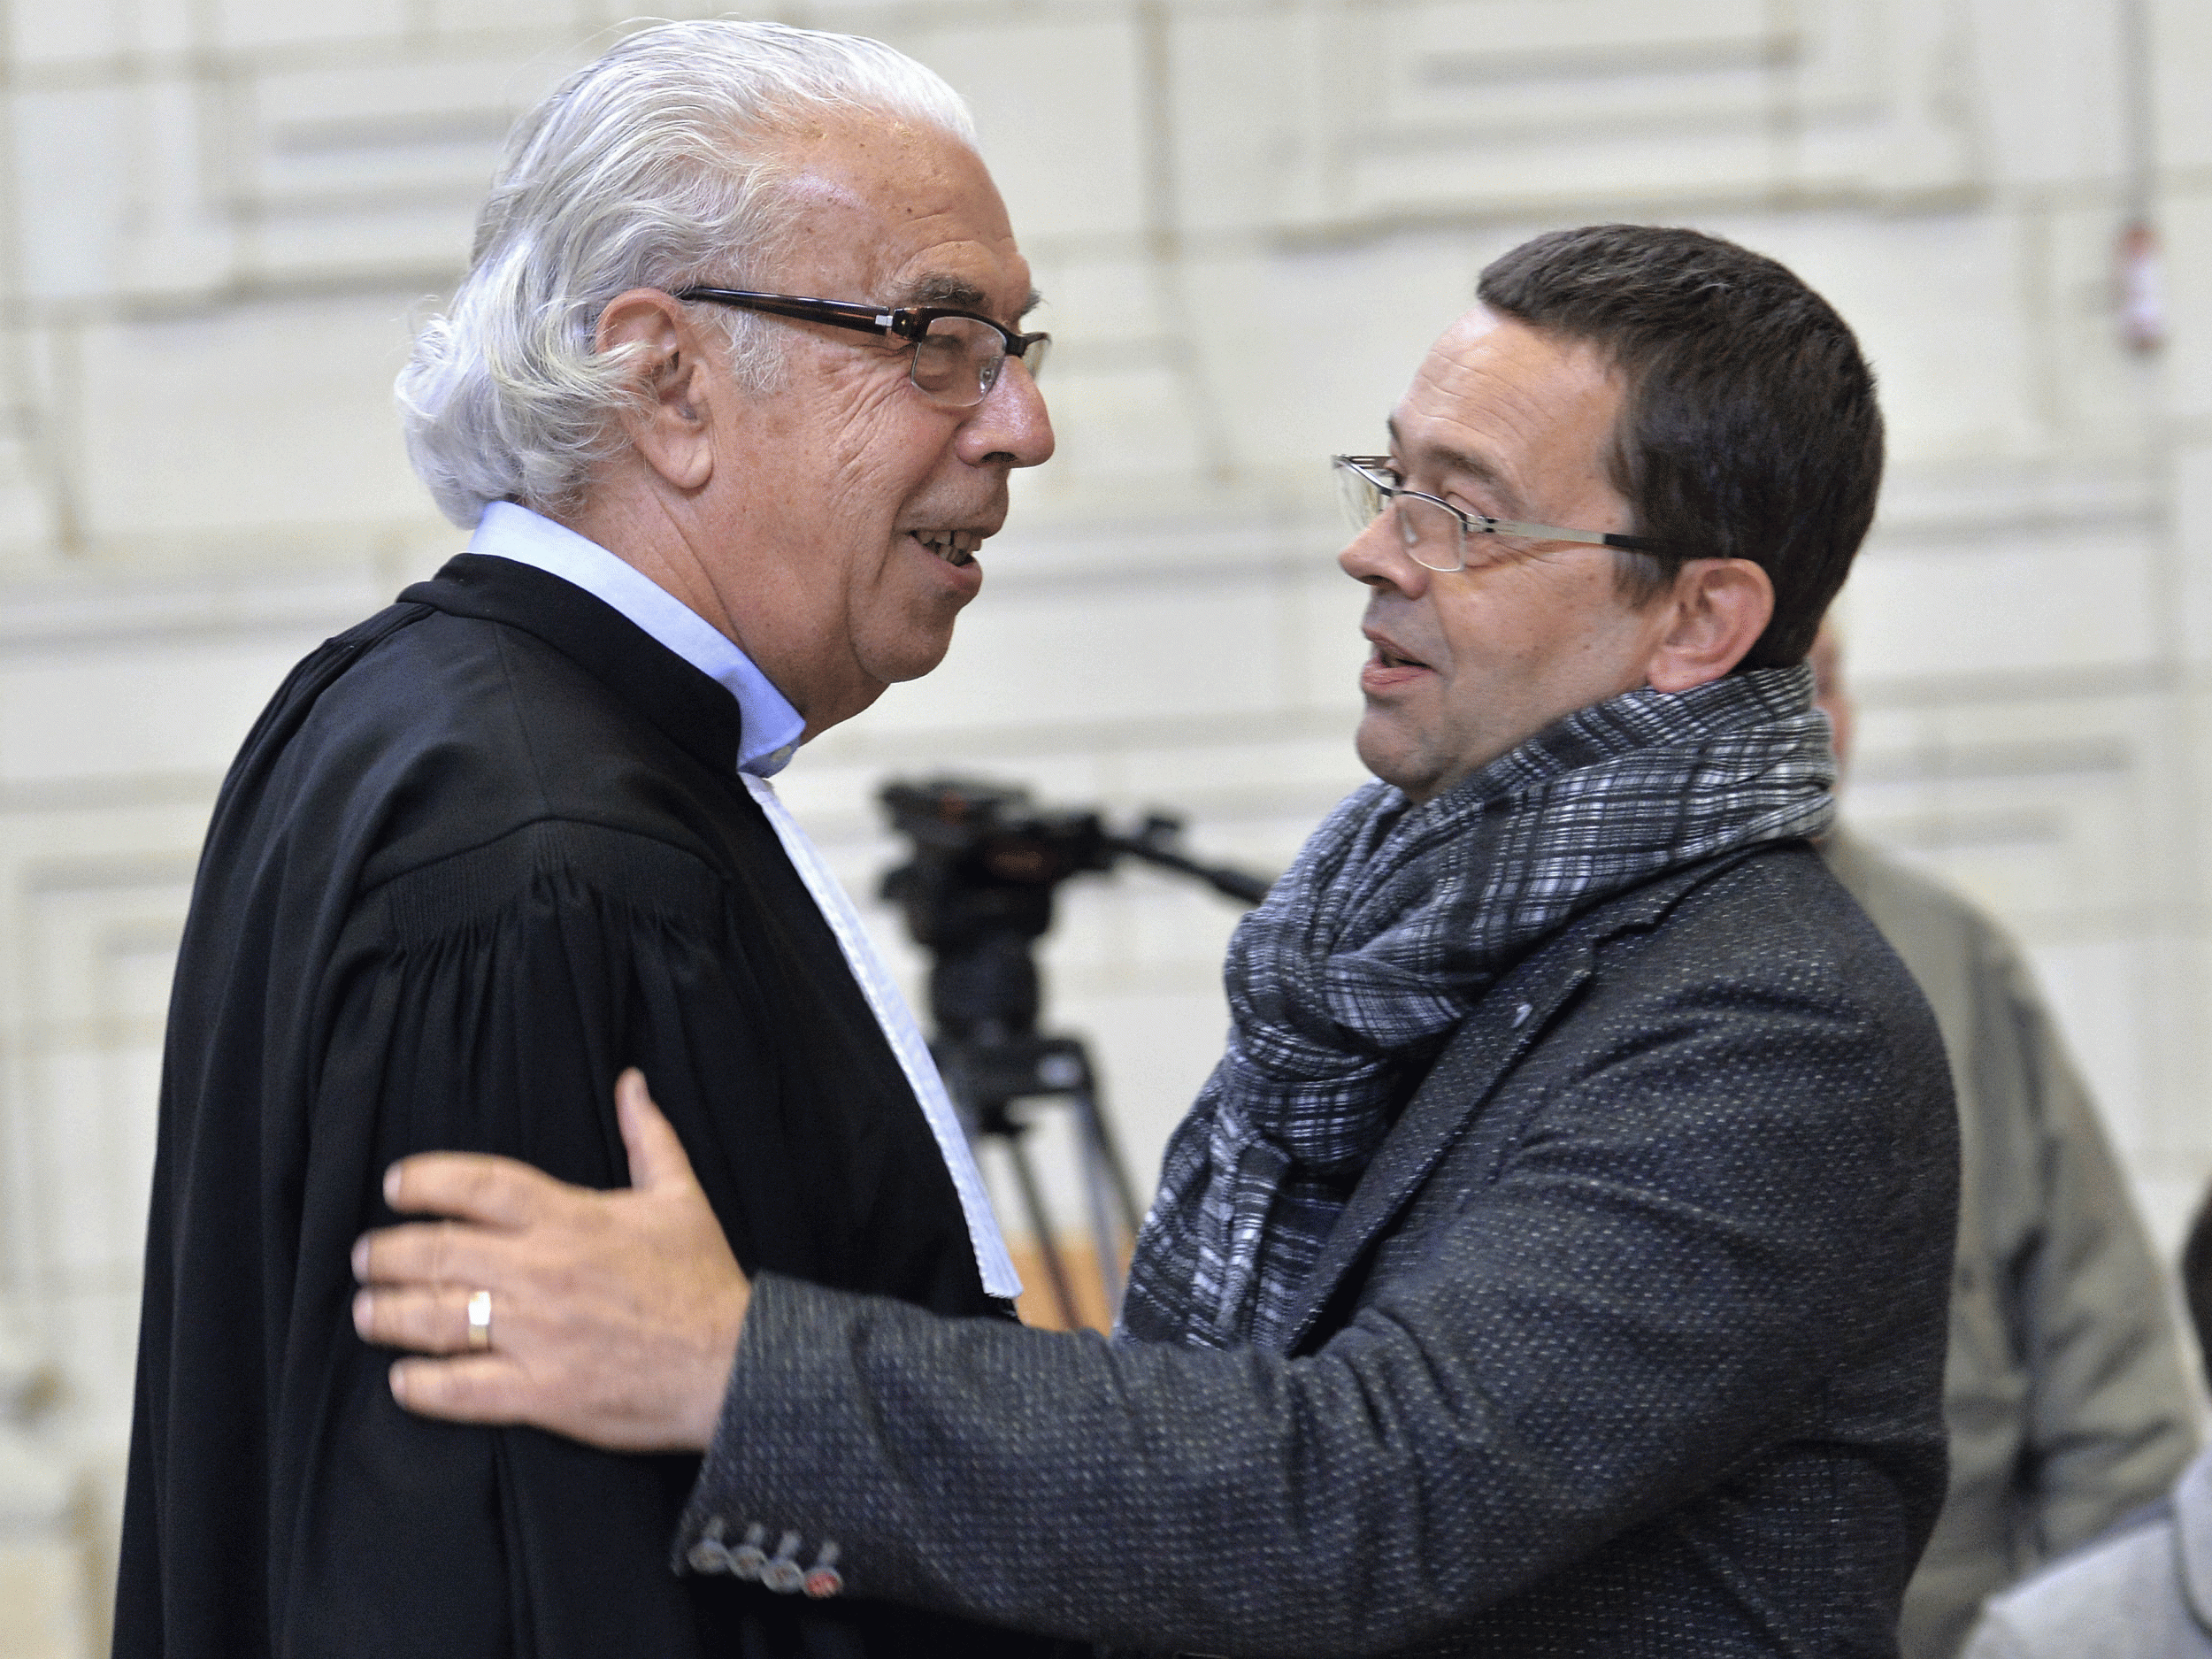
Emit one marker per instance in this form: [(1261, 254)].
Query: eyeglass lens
[(958, 360), (1432, 537)]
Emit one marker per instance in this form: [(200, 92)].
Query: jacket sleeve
[(2111, 1422), (1652, 1288)]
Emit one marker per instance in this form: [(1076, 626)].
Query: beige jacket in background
[(2067, 1395)]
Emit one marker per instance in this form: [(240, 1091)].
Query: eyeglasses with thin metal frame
[(1435, 532), (958, 356)]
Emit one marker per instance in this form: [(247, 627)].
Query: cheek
[(1540, 639), (855, 486), (853, 452), (1601, 647)]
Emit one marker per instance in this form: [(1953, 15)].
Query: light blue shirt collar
[(772, 726)]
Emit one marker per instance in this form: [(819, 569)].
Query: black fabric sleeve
[(486, 1003)]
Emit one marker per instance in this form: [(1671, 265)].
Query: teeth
[(955, 547)]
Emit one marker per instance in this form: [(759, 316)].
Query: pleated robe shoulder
[(481, 852)]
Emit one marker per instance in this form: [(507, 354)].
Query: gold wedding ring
[(479, 1320)]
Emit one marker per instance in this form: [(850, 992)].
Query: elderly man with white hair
[(727, 401)]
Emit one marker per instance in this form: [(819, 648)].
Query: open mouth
[(956, 548)]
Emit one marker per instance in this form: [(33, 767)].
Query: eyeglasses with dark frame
[(958, 356), (1435, 532)]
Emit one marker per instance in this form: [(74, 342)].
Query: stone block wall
[(1249, 217)]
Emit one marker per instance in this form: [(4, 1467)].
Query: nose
[(1377, 557), (1010, 424)]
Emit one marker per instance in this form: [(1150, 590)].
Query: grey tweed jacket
[(1631, 1342)]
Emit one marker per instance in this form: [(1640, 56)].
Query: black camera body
[(978, 893)]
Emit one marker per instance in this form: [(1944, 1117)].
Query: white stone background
[(1249, 217)]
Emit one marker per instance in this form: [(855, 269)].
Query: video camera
[(979, 887), (977, 895)]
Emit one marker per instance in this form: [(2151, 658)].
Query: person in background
[(2142, 1590), (2066, 1391)]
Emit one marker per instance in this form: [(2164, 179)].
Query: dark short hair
[(2196, 1276), (1750, 428)]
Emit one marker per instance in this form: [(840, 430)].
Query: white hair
[(660, 165)]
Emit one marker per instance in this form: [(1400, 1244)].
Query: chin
[(910, 659), (1410, 771), (1378, 754)]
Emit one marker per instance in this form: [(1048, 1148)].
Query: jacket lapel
[(1498, 1031), (1495, 1034)]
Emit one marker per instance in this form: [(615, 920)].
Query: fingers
[(431, 1319), (471, 1185), (477, 1388), (431, 1253), (657, 1155)]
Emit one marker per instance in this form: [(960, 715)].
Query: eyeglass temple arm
[(909, 322), (1481, 525), (1366, 465), (866, 320)]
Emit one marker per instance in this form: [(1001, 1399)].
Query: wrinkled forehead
[(906, 211)]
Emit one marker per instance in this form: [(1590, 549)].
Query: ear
[(671, 424), (1715, 612)]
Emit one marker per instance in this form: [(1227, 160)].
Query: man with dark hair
[(2144, 1589), (1748, 428), (1556, 1260)]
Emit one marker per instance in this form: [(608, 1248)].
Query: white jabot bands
[(903, 1035)]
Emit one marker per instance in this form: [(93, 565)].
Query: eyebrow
[(959, 294), (1467, 464)]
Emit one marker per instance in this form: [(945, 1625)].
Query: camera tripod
[(985, 1079), (977, 896)]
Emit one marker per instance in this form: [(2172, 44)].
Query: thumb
[(656, 1156)]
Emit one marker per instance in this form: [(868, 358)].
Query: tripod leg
[(1040, 1221), (1099, 1135), (1097, 1177)]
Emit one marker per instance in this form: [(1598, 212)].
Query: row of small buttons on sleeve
[(779, 1572)]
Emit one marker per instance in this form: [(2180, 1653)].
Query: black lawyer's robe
[(479, 853)]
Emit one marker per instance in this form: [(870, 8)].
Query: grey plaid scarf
[(1346, 983)]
